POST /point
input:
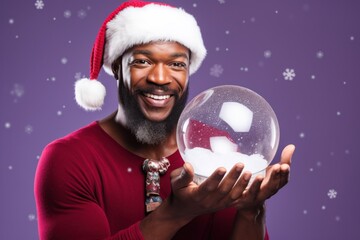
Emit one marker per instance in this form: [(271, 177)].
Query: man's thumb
[(181, 177)]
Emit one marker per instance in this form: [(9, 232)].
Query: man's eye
[(178, 64), (139, 62)]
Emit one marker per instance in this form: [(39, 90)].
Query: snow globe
[(225, 125)]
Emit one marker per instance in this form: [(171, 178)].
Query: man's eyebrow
[(148, 53), (143, 52), (176, 55)]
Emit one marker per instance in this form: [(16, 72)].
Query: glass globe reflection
[(225, 125)]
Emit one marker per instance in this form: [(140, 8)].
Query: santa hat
[(134, 23)]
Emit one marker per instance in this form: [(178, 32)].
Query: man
[(122, 177)]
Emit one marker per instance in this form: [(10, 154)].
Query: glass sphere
[(225, 125)]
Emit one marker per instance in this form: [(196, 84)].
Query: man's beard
[(145, 130)]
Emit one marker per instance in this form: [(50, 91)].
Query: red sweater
[(89, 187)]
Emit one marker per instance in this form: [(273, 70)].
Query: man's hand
[(220, 191), (277, 176)]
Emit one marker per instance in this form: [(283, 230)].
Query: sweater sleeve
[(66, 204)]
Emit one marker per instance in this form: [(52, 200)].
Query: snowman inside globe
[(226, 125)]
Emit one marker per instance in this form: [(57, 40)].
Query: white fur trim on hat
[(153, 22), (89, 94)]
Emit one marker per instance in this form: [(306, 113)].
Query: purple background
[(250, 43)]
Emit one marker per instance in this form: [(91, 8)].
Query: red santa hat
[(134, 23)]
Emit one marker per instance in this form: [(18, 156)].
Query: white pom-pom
[(89, 94)]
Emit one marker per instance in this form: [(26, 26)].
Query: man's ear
[(116, 67)]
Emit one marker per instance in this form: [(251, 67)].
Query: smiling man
[(122, 177)]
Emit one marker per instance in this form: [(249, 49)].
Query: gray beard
[(146, 131)]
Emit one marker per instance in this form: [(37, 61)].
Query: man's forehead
[(174, 49)]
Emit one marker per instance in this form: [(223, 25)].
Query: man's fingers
[(287, 154), (181, 177)]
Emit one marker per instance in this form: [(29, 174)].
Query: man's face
[(153, 88)]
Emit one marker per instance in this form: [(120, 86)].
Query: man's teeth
[(157, 97)]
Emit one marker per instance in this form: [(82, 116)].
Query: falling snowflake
[(337, 218), (216, 70), (338, 113), (289, 74), (82, 14), (29, 129), (10, 167), (217, 49), (67, 14), (7, 125), (320, 54), (78, 76), (129, 170), (31, 217), (59, 113), (11, 21), (305, 212), (221, 1), (302, 135), (323, 207), (245, 69), (227, 32), (18, 90), (313, 76), (332, 193), (39, 4), (194, 5), (267, 54), (352, 38), (52, 79), (64, 60)]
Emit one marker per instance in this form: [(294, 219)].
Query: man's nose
[(159, 75)]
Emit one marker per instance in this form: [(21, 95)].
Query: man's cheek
[(126, 59)]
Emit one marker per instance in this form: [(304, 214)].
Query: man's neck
[(127, 140)]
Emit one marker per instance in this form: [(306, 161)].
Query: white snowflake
[(11, 21), (332, 193), (320, 54), (64, 60), (323, 207), (52, 79), (18, 90), (78, 75), (129, 170), (194, 5), (82, 13), (267, 54), (39, 4), (31, 217), (227, 32), (216, 70), (67, 14), (313, 76), (29, 129), (10, 167), (59, 113), (221, 1), (302, 135), (305, 212), (245, 69), (289, 74), (352, 38), (7, 125)]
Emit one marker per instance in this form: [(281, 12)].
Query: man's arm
[(250, 219)]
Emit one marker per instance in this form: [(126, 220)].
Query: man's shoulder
[(79, 139)]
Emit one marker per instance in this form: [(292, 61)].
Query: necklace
[(153, 169)]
